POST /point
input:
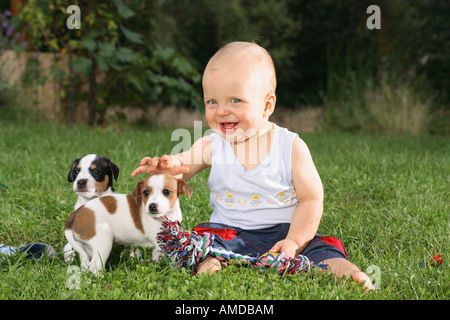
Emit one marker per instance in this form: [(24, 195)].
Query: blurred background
[(136, 61)]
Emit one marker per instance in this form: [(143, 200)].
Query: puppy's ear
[(71, 177), (114, 168), (137, 191), (184, 188)]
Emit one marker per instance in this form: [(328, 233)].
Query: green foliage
[(198, 29), (379, 81), (323, 51), (114, 53), (140, 52)]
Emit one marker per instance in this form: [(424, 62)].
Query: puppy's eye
[(146, 193), (96, 171), (76, 171), (166, 192)]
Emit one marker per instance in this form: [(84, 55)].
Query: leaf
[(102, 62), (138, 83), (164, 54), (183, 85), (131, 35), (57, 73), (82, 65), (106, 50), (125, 55), (89, 44), (182, 65), (124, 11), (95, 33), (53, 43), (169, 81)]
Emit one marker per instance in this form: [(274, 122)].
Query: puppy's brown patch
[(171, 184), (82, 222), (93, 167), (135, 213), (101, 186), (110, 203)]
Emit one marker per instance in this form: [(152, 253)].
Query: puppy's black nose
[(81, 183), (153, 207)]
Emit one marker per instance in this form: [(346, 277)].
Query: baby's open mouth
[(228, 126)]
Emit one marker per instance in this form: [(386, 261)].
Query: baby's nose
[(223, 110)]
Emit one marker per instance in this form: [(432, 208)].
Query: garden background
[(372, 104)]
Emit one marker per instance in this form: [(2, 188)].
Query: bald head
[(247, 57)]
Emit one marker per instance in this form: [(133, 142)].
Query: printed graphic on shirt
[(255, 199), (283, 197), (229, 199)]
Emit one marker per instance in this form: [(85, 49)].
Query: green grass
[(387, 198)]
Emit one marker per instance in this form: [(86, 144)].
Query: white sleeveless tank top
[(257, 198)]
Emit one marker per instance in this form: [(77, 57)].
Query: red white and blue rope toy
[(185, 249)]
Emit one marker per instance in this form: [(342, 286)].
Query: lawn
[(387, 198)]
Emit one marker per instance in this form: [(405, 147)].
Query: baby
[(266, 193)]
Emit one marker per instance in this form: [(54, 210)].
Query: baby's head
[(239, 86), (246, 57)]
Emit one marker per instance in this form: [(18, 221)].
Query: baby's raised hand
[(166, 162)]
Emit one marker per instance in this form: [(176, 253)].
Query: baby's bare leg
[(342, 267), (210, 264)]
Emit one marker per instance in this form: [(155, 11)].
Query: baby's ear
[(269, 106), (184, 188)]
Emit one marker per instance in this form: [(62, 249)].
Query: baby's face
[(235, 97)]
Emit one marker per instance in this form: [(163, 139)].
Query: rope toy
[(185, 249)]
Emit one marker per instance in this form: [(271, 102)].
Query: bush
[(386, 106), (397, 110), (155, 51), (113, 57)]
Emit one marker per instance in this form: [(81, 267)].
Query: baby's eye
[(211, 101), (235, 100)]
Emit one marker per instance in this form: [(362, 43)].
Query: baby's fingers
[(275, 248), (142, 169), (145, 161)]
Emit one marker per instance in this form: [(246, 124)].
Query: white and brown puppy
[(125, 219), (92, 177)]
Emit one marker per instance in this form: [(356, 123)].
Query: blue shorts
[(257, 242)]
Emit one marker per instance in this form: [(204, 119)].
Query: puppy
[(92, 177), (125, 219)]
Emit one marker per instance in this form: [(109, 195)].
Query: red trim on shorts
[(225, 234), (335, 242)]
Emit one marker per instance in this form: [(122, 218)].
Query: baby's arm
[(309, 191), (187, 163)]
